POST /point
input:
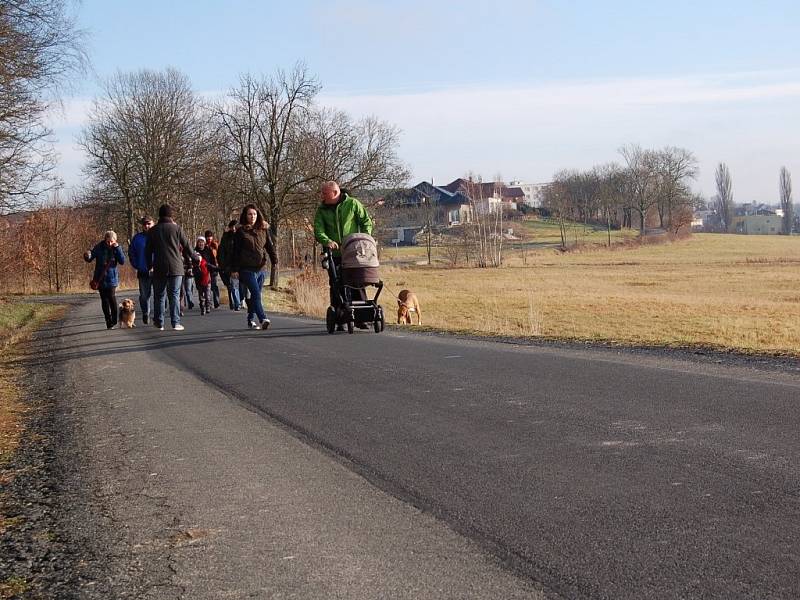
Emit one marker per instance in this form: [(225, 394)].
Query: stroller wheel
[(379, 323), (350, 326), (330, 319)]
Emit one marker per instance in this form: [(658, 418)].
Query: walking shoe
[(178, 327), (265, 324), (145, 318), (159, 326), (251, 324), (238, 308), (110, 326)]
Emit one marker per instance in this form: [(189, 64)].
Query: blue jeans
[(253, 282), (167, 289), (188, 290), (214, 290), (145, 291), (234, 298)]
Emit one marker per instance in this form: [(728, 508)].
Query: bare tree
[(283, 145), (145, 140), (359, 155), (558, 200), (610, 192), (641, 181), (261, 120), (40, 49), (677, 167), (722, 176), (786, 200), (486, 224)]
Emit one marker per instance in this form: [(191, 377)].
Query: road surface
[(295, 464)]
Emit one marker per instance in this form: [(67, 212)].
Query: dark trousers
[(145, 291), (234, 299), (108, 299)]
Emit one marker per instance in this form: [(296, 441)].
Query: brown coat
[(251, 247)]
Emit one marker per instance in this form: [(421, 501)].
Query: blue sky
[(509, 87)]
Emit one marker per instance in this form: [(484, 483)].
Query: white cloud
[(529, 132), (748, 120)]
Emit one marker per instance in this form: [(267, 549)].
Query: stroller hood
[(359, 251)]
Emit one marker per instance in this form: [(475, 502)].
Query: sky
[(511, 88)]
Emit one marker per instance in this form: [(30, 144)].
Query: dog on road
[(408, 303), (127, 313)]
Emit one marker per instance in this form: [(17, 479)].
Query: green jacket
[(337, 221)]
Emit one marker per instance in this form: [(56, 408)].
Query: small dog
[(127, 313), (408, 303)]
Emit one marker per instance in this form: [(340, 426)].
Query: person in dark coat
[(139, 262), (252, 245), (213, 248), (107, 255), (166, 249), (224, 256)]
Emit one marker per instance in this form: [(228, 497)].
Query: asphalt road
[(590, 474)]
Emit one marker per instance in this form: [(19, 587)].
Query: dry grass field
[(726, 292)]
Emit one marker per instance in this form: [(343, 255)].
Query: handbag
[(95, 283)]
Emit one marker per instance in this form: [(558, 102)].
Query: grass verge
[(17, 321)]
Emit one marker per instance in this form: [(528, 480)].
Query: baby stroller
[(350, 305)]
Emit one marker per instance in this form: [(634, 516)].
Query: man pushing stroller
[(338, 216)]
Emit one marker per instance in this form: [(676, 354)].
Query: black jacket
[(166, 248), (250, 250), (225, 250)]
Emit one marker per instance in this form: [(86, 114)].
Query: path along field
[(718, 291)]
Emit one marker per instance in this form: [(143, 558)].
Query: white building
[(534, 192)]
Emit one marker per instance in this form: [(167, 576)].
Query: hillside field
[(728, 292)]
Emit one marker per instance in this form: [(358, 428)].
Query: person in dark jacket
[(165, 251), (224, 255), (203, 270), (252, 245), (138, 261), (107, 255), (213, 247)]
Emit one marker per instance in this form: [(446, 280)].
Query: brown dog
[(408, 303), (127, 313)]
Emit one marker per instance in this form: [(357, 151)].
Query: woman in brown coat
[(252, 245)]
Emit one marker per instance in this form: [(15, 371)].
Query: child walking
[(202, 275)]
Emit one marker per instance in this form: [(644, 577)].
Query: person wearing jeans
[(136, 254), (166, 249), (167, 290), (252, 245)]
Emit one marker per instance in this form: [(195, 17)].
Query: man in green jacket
[(338, 216)]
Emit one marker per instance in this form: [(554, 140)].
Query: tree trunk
[(273, 272)]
